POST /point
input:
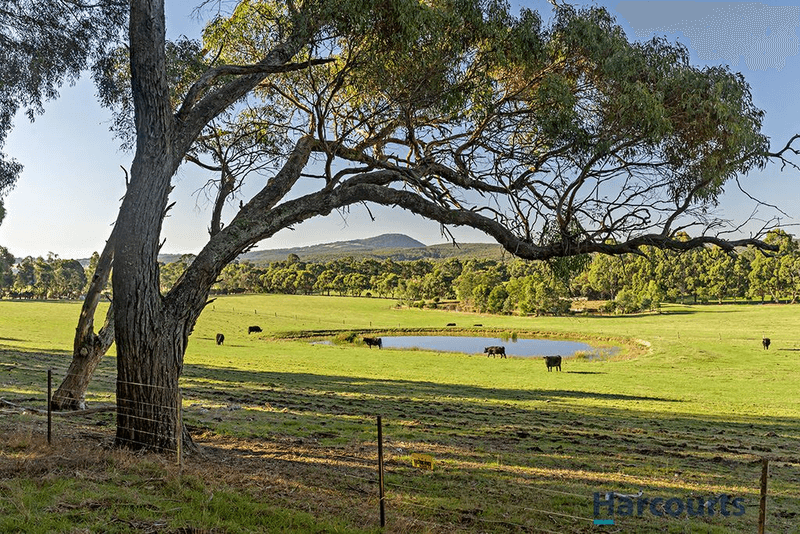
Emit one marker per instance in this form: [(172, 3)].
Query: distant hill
[(398, 247), (354, 247)]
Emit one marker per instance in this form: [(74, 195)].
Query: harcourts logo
[(609, 505)]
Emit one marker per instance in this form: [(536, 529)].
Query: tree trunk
[(151, 331), (150, 339), (88, 347), (148, 395), (89, 350)]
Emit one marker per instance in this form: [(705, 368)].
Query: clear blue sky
[(68, 195)]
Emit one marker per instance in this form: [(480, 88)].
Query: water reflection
[(475, 345)]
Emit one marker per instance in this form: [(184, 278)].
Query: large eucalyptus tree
[(555, 141)]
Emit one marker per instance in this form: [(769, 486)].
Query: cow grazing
[(251, 329), (765, 342), (373, 342), (451, 324), (220, 339), (552, 361), (495, 351)]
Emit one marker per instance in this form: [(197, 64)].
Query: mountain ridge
[(395, 246), (398, 247), (383, 241)]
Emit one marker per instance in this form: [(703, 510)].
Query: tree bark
[(150, 342), (88, 347)]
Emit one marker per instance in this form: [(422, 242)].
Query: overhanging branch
[(211, 75), (523, 248)]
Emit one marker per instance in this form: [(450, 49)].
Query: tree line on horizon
[(43, 278), (627, 283)]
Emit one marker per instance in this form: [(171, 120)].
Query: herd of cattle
[(497, 351), (552, 362), (250, 329)]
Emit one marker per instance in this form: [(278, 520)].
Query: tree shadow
[(307, 413), (401, 388)]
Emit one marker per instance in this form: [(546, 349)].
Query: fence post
[(180, 431), (762, 511), (49, 408), (380, 471)]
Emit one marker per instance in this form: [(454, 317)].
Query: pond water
[(475, 345)]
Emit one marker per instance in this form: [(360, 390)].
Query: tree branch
[(788, 148), (210, 76)]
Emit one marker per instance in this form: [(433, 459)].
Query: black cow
[(495, 351), (765, 342), (552, 361), (373, 342), (251, 329), (220, 339), (451, 324)]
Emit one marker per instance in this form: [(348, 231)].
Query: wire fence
[(430, 494)]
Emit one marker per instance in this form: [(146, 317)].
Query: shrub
[(346, 337), (627, 301)]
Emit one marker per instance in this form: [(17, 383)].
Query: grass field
[(287, 431)]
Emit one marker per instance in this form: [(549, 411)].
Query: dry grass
[(286, 474)]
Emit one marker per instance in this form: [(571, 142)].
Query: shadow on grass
[(497, 416), (399, 388), (486, 441), (490, 437)]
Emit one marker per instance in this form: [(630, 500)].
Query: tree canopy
[(555, 141), (44, 44)]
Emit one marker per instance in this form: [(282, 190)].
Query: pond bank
[(626, 348), (515, 346)]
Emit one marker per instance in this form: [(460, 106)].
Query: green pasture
[(707, 359), (688, 407)]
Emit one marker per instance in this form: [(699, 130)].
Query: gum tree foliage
[(452, 109), (6, 272), (41, 278), (776, 275), (44, 44)]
